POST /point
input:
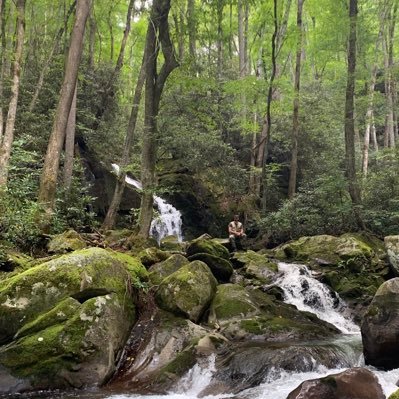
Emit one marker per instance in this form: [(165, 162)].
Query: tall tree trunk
[(111, 34), (295, 119), (220, 6), (48, 180), (92, 38), (371, 91), (70, 143), (8, 138), (389, 140), (191, 25), (49, 59), (158, 26), (350, 163), (267, 121), (3, 45), (110, 218)]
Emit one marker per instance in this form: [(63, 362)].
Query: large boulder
[(221, 268), (163, 348), (163, 269), (380, 326), (187, 292), (354, 383), (208, 246), (65, 321), (250, 314), (66, 242), (256, 266), (392, 248)]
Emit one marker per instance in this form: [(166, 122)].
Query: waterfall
[(308, 294), (168, 222)]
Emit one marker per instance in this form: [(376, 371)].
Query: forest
[(284, 112)]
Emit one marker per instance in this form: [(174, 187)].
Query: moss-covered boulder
[(152, 255), (65, 321), (12, 260), (221, 268), (188, 291), (356, 252), (231, 301), (163, 269), (256, 266), (207, 246), (392, 248), (353, 383), (380, 326), (250, 314), (172, 243), (117, 238), (66, 242)]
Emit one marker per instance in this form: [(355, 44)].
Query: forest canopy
[(283, 111)]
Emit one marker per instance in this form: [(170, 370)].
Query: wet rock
[(188, 291), (392, 248), (66, 242), (172, 243), (352, 383), (152, 255), (380, 325)]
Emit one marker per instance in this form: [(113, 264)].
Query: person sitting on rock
[(236, 233)]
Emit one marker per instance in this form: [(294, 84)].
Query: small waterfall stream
[(168, 222), (308, 294)]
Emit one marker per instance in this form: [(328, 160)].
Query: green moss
[(66, 242), (230, 301), (164, 269), (183, 362), (329, 380), (394, 395), (134, 266), (220, 267), (208, 246)]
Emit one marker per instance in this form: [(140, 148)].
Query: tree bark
[(192, 36), (354, 189), (110, 217), (295, 120), (92, 38), (8, 138), (158, 25), (267, 121), (49, 59), (3, 45), (70, 144), (48, 181), (220, 6)]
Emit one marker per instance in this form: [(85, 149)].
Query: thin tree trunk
[(191, 23), (48, 181), (389, 139), (49, 59), (92, 38), (370, 108), (267, 122), (70, 143), (111, 34), (295, 120), (110, 218), (153, 90), (3, 45), (350, 163), (374, 134), (220, 4), (6, 144)]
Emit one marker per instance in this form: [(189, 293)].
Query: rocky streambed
[(137, 321)]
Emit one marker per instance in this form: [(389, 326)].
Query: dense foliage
[(213, 110)]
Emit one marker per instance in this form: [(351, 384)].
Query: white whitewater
[(307, 293), (168, 222)]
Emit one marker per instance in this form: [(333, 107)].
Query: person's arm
[(230, 228)]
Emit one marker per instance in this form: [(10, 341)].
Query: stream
[(307, 293)]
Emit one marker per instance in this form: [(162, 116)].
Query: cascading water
[(168, 223), (308, 294)]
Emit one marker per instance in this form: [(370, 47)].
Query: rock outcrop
[(380, 326), (352, 383)]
